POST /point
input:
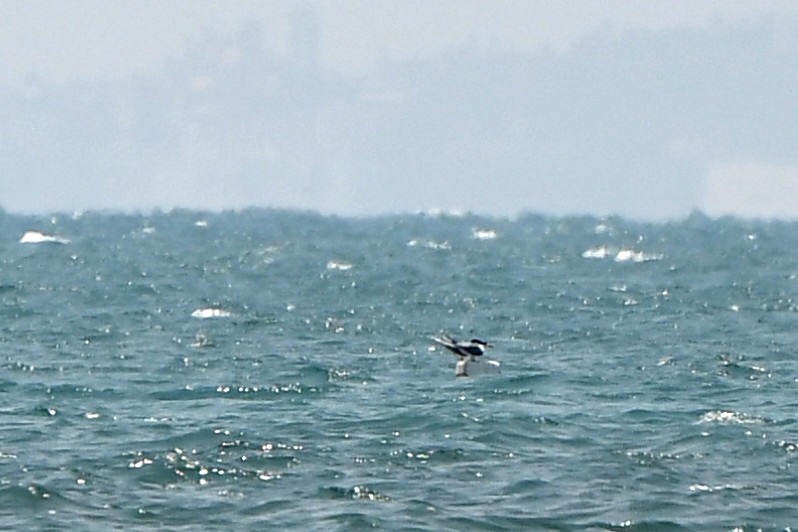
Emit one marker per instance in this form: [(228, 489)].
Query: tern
[(466, 352)]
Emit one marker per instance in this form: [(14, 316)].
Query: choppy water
[(265, 369)]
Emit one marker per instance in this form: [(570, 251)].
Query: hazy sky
[(644, 109)]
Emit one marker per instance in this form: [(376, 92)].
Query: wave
[(339, 265), (206, 313), (429, 244), (620, 254), (35, 237), (725, 417), (484, 234)]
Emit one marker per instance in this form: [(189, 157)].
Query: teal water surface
[(261, 369)]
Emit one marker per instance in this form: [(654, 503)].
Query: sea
[(274, 370)]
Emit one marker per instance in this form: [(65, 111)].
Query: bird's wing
[(450, 344), (445, 341)]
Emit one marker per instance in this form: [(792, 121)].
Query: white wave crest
[(628, 255), (484, 234), (709, 489), (35, 237), (341, 266), (600, 252), (205, 313), (620, 255), (723, 417), (429, 244)]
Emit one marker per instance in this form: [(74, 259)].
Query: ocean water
[(263, 370)]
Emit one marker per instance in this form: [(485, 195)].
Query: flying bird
[(466, 352)]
